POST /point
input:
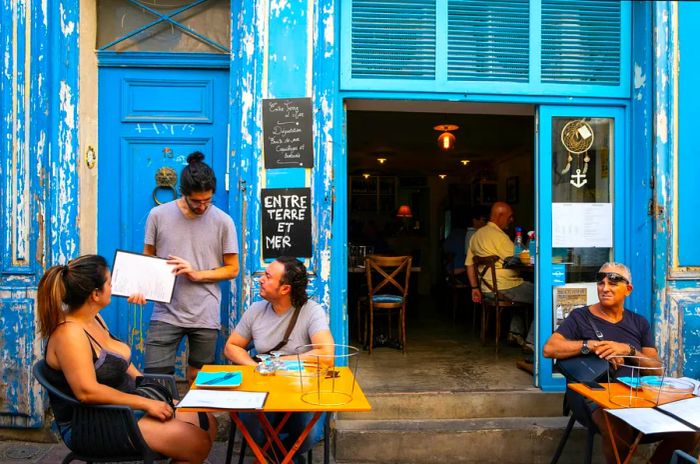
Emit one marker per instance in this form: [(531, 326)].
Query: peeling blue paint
[(39, 167)]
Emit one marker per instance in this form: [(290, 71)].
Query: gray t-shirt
[(202, 241), (266, 328)]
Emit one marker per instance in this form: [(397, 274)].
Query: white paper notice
[(582, 225), (217, 399), (688, 410), (649, 420), (137, 273)]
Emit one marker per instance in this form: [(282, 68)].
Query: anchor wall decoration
[(577, 137)]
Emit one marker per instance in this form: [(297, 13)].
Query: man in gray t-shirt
[(200, 241), (265, 323)]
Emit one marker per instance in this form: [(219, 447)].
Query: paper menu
[(138, 273), (582, 225), (219, 399)]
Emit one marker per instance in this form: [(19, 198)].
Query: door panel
[(152, 119), (579, 171)]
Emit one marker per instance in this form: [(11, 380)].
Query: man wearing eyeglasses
[(200, 241), (610, 331)]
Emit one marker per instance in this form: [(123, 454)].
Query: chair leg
[(231, 439), (241, 454), (484, 323), (589, 446), (564, 438), (498, 327), (403, 329), (326, 440), (371, 327), (358, 321)]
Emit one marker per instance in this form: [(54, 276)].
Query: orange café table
[(284, 394), (602, 399)]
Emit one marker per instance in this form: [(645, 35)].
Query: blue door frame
[(619, 188)]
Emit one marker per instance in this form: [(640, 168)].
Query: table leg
[(633, 448), (302, 437), (612, 438), (246, 435), (272, 434)]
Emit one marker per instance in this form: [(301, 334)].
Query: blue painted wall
[(293, 49), (39, 207)]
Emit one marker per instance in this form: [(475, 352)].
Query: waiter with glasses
[(200, 241)]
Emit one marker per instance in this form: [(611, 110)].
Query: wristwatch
[(584, 347), (633, 350)]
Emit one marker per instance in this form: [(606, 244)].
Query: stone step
[(461, 405), (522, 440)]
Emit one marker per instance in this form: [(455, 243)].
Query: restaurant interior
[(417, 171)]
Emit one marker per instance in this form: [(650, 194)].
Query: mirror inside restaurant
[(421, 177)]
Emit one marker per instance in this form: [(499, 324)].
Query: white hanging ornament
[(577, 137)]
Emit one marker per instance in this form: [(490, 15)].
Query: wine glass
[(277, 361), (265, 367)]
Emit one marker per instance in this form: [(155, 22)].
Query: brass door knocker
[(166, 178)]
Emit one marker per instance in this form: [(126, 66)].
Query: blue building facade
[(92, 114)]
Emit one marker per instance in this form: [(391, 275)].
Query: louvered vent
[(393, 39), (581, 41), (488, 40)]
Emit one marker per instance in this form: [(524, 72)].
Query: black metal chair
[(309, 454), (681, 457), (104, 433)]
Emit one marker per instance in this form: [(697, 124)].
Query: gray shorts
[(162, 342)]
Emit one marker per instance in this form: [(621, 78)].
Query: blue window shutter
[(488, 40), (581, 41), (393, 39)]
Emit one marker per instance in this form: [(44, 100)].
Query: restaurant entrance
[(408, 195)]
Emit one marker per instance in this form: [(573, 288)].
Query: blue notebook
[(222, 379)]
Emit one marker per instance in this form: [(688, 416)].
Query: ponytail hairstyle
[(69, 285), (197, 176), (295, 276)]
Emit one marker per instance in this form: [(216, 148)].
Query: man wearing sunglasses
[(199, 240), (626, 337)]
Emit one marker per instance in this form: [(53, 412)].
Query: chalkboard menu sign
[(287, 133), (286, 222)]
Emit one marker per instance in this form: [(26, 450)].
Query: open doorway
[(395, 162)]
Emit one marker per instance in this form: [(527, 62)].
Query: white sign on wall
[(582, 225)]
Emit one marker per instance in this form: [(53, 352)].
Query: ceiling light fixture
[(446, 140), (365, 175), (464, 162), (381, 160), (442, 176)]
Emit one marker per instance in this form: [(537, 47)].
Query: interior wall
[(87, 127), (519, 170)]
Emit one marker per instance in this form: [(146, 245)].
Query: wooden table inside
[(285, 395)]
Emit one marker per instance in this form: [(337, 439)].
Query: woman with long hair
[(84, 359)]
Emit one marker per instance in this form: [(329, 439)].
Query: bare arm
[(235, 350), (71, 351), (226, 272), (558, 347), (324, 347), (476, 292)]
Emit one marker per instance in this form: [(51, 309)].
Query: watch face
[(584, 348)]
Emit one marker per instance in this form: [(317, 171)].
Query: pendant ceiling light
[(446, 140)]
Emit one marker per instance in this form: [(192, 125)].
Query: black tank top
[(110, 370)]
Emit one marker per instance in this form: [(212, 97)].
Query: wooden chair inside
[(387, 286), (457, 286), (492, 300)]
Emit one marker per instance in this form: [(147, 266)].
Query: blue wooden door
[(151, 119), (581, 172)]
